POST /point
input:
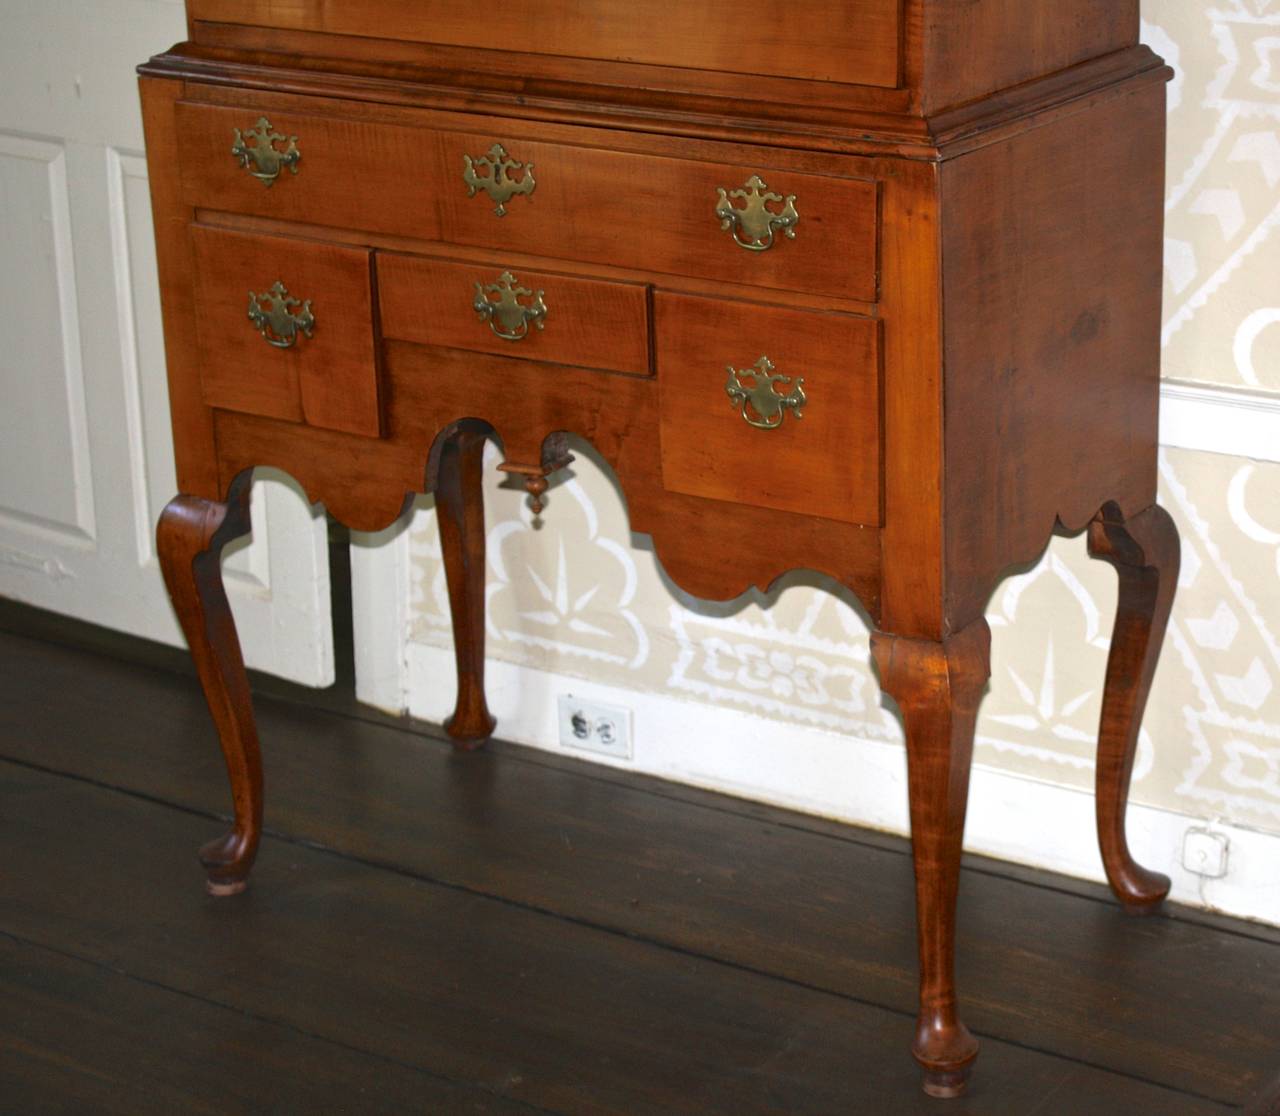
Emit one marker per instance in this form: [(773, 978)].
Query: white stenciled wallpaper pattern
[(1222, 308), (582, 597)]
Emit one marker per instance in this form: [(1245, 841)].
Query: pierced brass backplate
[(492, 174), (753, 224), (258, 154), (508, 317), (759, 401), (274, 316)]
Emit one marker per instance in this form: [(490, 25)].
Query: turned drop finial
[(536, 487), (555, 456)]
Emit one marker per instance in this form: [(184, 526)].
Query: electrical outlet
[(1205, 853), (593, 726)]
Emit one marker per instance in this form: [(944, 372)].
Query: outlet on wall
[(594, 726), (1204, 852)]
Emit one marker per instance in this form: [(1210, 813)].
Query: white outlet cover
[(1204, 853), (598, 714)]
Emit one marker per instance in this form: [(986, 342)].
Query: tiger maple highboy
[(877, 281)]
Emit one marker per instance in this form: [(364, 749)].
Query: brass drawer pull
[(274, 316), (496, 179), (759, 402), (258, 154), (507, 317), (754, 225)]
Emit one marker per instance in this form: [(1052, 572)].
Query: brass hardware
[(507, 317), (755, 219), (274, 315), (497, 181), (266, 159), (761, 397)]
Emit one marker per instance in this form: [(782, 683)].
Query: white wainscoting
[(86, 457), (46, 483)]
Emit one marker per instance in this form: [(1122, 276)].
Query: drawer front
[(535, 315), (661, 214), (830, 40), (731, 430), (311, 169), (285, 329), (746, 223)]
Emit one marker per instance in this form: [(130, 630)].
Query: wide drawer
[(747, 223), (285, 329), (535, 315), (770, 406), (831, 40)]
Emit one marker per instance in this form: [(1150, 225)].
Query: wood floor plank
[(1036, 966), (528, 1005), (77, 1038)]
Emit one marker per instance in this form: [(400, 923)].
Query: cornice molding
[(945, 135)]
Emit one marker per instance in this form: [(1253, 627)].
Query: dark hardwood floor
[(511, 931)]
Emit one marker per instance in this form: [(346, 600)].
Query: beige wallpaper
[(1222, 309), (582, 597)]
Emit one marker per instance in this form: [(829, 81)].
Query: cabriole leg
[(938, 685), (1145, 552), (189, 541), (460, 511)]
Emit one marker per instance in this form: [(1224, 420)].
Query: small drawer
[(535, 315), (285, 329), (732, 429), (746, 222), (317, 170)]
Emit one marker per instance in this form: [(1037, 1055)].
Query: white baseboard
[(853, 780)]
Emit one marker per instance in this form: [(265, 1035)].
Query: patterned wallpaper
[(581, 596), (1221, 264)]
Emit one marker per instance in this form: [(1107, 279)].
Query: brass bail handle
[(500, 305), (258, 151), (757, 398), (281, 318), (753, 224)]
